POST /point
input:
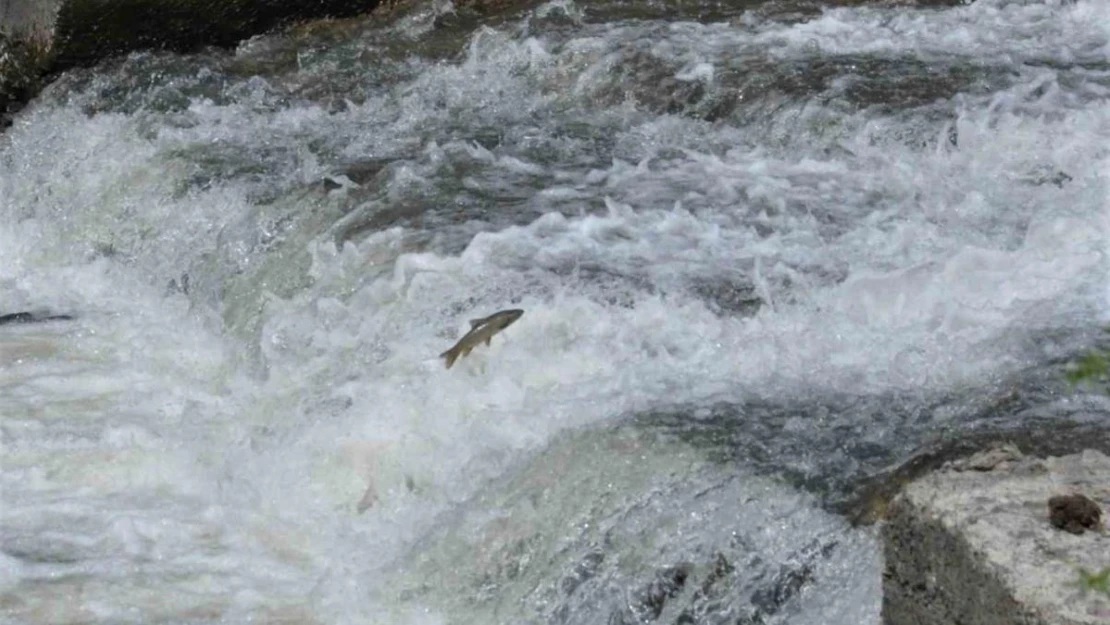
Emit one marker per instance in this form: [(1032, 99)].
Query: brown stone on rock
[(1074, 513)]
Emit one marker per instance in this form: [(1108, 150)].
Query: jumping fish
[(481, 330)]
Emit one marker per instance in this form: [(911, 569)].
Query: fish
[(481, 330)]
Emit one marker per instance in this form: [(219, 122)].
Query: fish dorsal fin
[(474, 323)]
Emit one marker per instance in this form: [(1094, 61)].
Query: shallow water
[(764, 251)]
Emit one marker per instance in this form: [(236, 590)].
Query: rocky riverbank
[(38, 37), (1000, 537), (22, 65)]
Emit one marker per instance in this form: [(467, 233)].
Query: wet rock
[(40, 36), (1044, 175), (178, 285), (364, 171), (784, 586), (990, 459), (648, 602), (22, 62), (1074, 513), (1059, 178), (725, 297), (85, 31), (31, 317), (331, 184), (584, 570)]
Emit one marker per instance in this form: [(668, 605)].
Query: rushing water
[(764, 250)]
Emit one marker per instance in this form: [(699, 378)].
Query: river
[(764, 250)]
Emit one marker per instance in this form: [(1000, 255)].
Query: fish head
[(505, 318)]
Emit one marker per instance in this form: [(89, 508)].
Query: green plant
[(1092, 366), (1098, 582)]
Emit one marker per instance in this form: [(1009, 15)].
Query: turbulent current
[(764, 250)]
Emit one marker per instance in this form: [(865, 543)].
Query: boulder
[(40, 36), (983, 541)]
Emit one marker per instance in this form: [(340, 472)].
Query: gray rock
[(977, 546), (990, 459)]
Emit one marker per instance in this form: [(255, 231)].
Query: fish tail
[(450, 356)]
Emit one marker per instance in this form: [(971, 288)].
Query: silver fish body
[(481, 331)]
